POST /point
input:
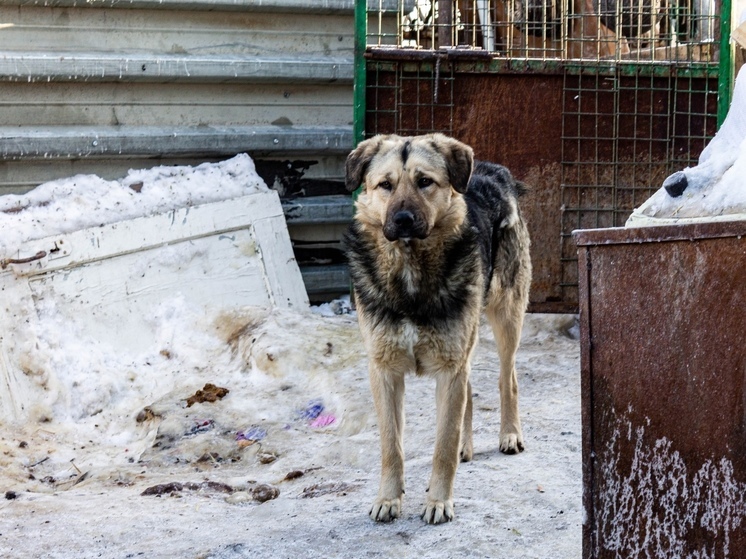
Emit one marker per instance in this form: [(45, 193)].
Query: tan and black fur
[(436, 240)]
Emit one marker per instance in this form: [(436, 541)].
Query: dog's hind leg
[(450, 390), (506, 319), (388, 395), (467, 444)]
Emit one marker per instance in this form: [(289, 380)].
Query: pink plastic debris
[(323, 420)]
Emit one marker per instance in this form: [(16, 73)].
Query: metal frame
[(73, 142)]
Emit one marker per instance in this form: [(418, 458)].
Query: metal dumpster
[(663, 322)]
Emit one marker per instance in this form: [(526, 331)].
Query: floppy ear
[(358, 160), (459, 162)]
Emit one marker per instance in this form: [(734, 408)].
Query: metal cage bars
[(629, 30)]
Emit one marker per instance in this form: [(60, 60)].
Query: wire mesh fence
[(631, 30), (639, 83), (622, 136)]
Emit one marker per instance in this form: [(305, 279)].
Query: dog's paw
[(385, 510), (437, 512), (511, 443)]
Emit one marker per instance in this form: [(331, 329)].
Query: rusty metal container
[(663, 345)]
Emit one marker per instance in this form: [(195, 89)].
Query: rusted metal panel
[(516, 120), (663, 314), (592, 146)]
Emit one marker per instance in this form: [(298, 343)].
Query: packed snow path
[(73, 485)]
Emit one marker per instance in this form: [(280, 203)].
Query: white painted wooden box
[(219, 256)]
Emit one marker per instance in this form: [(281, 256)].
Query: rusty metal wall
[(591, 147), (622, 135), (663, 314)]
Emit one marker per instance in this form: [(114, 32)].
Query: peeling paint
[(661, 507)]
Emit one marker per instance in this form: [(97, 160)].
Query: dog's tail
[(520, 188), (501, 175)]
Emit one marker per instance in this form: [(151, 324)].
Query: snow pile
[(715, 188), (68, 363), (124, 407), (83, 201)]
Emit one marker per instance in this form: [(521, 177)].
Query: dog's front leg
[(451, 396), (388, 395)]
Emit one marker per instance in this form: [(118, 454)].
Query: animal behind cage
[(641, 30)]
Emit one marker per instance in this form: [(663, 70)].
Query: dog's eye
[(386, 185), (424, 182)]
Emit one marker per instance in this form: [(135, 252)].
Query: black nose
[(676, 184), (404, 219)]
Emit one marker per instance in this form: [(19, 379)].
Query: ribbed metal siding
[(83, 88), (108, 86)]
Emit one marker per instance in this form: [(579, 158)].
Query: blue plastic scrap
[(313, 409), (253, 433)]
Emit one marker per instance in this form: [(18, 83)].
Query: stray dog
[(436, 239)]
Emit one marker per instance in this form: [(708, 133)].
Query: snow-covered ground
[(77, 483), (114, 457)]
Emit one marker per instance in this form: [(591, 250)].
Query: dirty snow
[(78, 476), (716, 187), (285, 464), (83, 201)]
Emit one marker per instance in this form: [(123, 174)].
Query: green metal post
[(358, 95), (361, 31), (725, 73)]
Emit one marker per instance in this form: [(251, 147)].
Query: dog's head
[(410, 184)]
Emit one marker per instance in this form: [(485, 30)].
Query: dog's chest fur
[(425, 283)]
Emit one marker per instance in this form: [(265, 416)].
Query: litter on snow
[(251, 435)]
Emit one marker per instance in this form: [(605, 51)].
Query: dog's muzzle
[(403, 224)]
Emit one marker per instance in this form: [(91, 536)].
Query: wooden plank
[(67, 251), (274, 246), (114, 279), (118, 295)]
